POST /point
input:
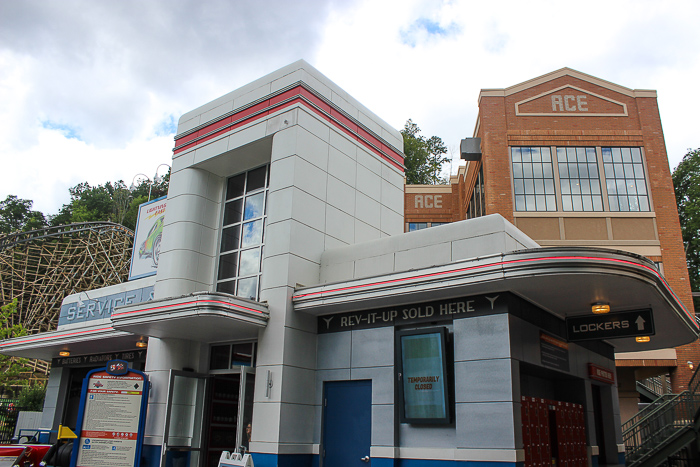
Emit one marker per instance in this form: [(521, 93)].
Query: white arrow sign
[(640, 323)]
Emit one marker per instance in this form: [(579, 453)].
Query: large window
[(625, 180), (477, 204), (580, 184), (242, 234), (579, 180), (533, 179)]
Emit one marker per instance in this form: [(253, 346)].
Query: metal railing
[(653, 429), (8, 419), (658, 385)]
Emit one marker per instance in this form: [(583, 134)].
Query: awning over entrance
[(78, 341), (562, 281), (204, 317)]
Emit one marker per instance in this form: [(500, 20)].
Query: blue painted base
[(308, 460), (150, 455), (621, 458), (285, 460)]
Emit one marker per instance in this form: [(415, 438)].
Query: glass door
[(229, 413), (182, 440)]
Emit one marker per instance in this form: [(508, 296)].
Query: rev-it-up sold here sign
[(610, 326)]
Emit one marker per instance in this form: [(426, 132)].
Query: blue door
[(347, 423)]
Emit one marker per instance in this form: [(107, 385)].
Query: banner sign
[(422, 374), (554, 352), (149, 234), (600, 373), (131, 356), (111, 418), (101, 307), (413, 314), (611, 325)]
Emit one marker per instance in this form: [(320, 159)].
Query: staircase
[(665, 432)]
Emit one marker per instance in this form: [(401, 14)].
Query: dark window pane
[(227, 266), (227, 287), (235, 186), (256, 179), (242, 355), (233, 211), (229, 238), (219, 358)]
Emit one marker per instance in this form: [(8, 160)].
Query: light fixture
[(600, 308), (141, 344), (64, 353), (642, 338), (690, 365)]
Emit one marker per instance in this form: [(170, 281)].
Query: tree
[(424, 157), (16, 215), (11, 369), (686, 182), (112, 201)]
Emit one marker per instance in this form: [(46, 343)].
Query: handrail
[(649, 411), (650, 431)]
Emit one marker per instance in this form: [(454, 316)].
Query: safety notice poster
[(112, 411)]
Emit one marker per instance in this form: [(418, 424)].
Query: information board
[(423, 372), (111, 417)]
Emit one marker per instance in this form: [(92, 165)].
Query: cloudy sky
[(91, 90)]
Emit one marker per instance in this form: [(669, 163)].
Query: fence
[(9, 411)]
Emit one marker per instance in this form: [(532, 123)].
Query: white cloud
[(116, 75)]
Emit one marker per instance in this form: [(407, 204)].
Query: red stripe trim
[(195, 302), (276, 103), (68, 334), (502, 263)]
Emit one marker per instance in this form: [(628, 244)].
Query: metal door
[(182, 440), (347, 424)]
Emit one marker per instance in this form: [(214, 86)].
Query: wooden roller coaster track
[(41, 267)]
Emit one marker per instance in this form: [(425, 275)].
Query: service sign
[(147, 241), (111, 418), (423, 374)]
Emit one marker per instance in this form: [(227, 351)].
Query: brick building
[(573, 160)]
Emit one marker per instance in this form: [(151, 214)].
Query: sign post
[(111, 418), (611, 325)]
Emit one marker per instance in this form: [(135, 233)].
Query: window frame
[(601, 177), (239, 223)]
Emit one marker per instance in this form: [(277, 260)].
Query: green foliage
[(16, 215), (31, 398), (109, 202), (686, 182), (424, 157), (10, 369)]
